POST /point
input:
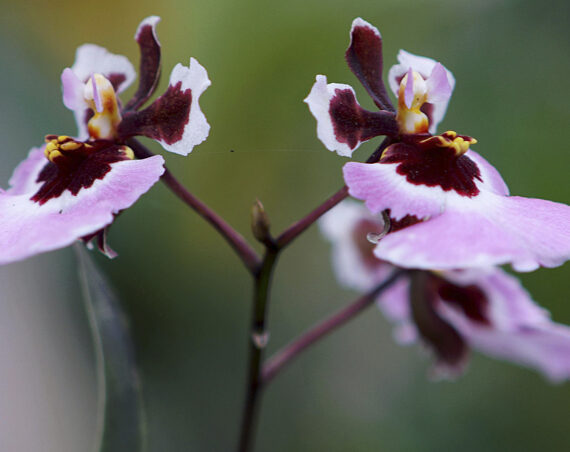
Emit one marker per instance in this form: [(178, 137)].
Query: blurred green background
[(186, 294)]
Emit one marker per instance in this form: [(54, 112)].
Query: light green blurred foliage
[(186, 293)]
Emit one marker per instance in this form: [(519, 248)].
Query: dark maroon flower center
[(431, 164), (408, 220), (429, 289), (446, 342), (163, 120), (116, 80), (75, 166), (470, 299), (353, 124)]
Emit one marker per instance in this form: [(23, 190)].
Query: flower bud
[(260, 222)]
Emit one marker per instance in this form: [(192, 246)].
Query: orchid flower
[(449, 311), (455, 207), (91, 85), (72, 188)]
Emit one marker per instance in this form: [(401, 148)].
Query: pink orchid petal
[(484, 231), (492, 179), (382, 188), (545, 347), (507, 323), (28, 228), (512, 305), (520, 330), (338, 226), (72, 90), (24, 178), (394, 303), (438, 86), (342, 124), (462, 231)]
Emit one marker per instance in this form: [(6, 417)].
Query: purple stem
[(292, 232), (283, 357), (257, 342), (234, 238)]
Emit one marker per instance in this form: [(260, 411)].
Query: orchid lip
[(74, 165), (436, 161), (451, 311)]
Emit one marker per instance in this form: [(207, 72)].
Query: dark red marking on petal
[(364, 57), (149, 68), (116, 79), (434, 167), (79, 171), (408, 220), (352, 124), (470, 299), (446, 342), (163, 120)]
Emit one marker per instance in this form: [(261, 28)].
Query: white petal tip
[(360, 22)]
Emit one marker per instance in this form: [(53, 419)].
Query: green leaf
[(121, 420)]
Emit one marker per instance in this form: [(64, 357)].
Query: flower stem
[(293, 231), (234, 238), (283, 357), (258, 340), (262, 271)]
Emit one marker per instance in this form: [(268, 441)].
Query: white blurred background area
[(47, 379)]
